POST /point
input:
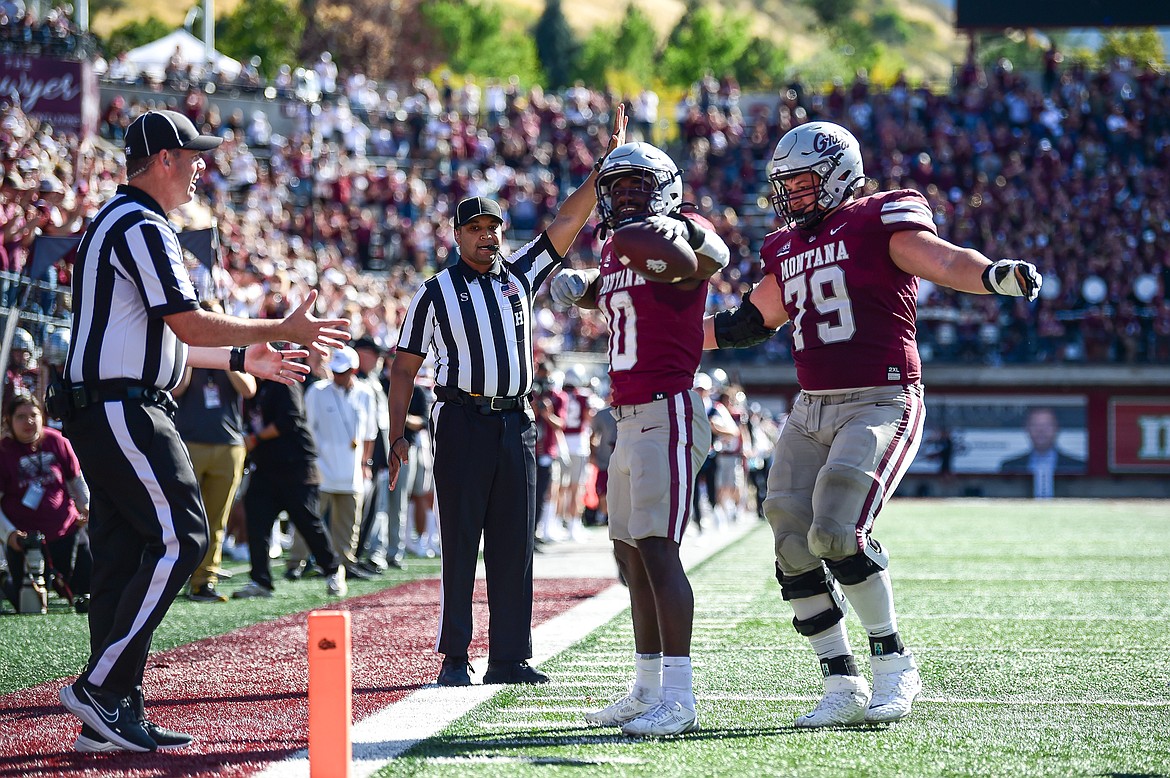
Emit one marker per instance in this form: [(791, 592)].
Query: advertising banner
[(1010, 434), (61, 92), (1139, 435)]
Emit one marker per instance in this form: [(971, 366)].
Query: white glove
[(1013, 278), (567, 287)]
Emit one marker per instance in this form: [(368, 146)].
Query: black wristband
[(395, 443), (236, 359), (696, 234)]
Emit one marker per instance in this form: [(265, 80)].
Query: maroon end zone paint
[(244, 695)]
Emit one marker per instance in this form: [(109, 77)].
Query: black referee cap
[(476, 206), (154, 131)]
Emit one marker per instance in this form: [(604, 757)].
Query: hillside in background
[(921, 38)]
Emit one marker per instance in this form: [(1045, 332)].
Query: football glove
[(567, 287), (694, 233), (1013, 278)]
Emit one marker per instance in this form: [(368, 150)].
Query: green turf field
[(1041, 630)]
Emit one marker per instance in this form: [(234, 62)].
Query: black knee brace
[(797, 587), (854, 569), (806, 585)]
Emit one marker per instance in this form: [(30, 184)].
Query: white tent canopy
[(153, 57)]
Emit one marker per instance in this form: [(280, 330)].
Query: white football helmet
[(56, 346), (661, 184), (826, 149)]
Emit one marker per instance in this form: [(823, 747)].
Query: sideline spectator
[(210, 421), (343, 416), (43, 491), (285, 477)]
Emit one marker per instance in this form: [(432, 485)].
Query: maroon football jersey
[(655, 330), (852, 309), (575, 412)]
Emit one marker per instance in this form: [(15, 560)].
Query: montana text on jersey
[(840, 286), (659, 360)]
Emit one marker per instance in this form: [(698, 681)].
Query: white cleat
[(665, 718), (896, 683), (335, 585), (624, 710), (845, 701)]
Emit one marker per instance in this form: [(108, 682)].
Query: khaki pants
[(344, 512), (219, 469)]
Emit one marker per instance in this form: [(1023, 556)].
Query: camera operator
[(42, 491)]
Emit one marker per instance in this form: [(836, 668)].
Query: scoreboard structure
[(1054, 14)]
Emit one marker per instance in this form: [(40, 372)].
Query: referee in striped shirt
[(476, 316), (136, 325)]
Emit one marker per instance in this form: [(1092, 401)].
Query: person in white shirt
[(342, 416)]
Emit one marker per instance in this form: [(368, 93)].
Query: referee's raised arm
[(578, 206)]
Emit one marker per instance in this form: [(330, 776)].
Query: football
[(656, 249)]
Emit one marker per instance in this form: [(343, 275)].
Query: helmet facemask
[(660, 190), (831, 155), (820, 201), (618, 205)]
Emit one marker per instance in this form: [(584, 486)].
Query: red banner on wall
[(1139, 435), (63, 93)]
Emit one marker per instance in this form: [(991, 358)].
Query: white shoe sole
[(91, 717), (603, 718), (87, 746)]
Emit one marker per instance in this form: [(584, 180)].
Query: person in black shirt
[(285, 478), (210, 422)]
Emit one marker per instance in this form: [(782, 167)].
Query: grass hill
[(923, 40)]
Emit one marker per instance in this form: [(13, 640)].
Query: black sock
[(839, 665), (883, 646)]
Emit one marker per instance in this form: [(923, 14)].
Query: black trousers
[(485, 486), (147, 531), (269, 493)]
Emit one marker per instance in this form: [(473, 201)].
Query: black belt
[(484, 404), (117, 390)]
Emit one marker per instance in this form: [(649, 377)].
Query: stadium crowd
[(1069, 169)]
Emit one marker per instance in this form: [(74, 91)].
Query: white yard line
[(425, 713)]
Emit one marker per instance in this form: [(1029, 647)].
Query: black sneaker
[(354, 572), (456, 671), (372, 567), (206, 593), (513, 672), (112, 718), (166, 739), (91, 741)]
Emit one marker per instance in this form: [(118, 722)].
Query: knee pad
[(838, 503), (855, 569), (790, 520)]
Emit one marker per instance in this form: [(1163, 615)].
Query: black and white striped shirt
[(479, 325), (129, 273)]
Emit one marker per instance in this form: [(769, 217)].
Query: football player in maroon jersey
[(655, 342), (844, 270)]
